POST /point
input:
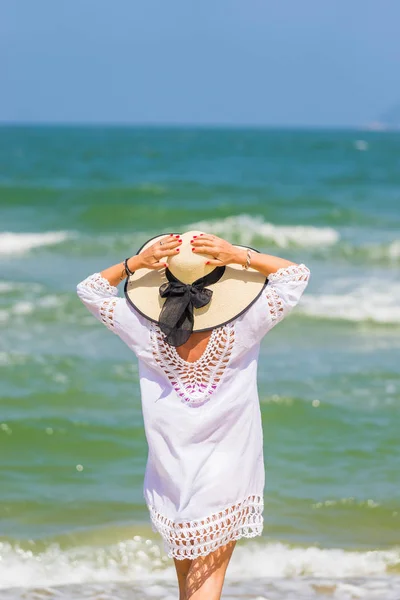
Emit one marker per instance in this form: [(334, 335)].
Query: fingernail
[(195, 236), (165, 265), (193, 249), (171, 235), (201, 234), (177, 249), (208, 262), (177, 236)]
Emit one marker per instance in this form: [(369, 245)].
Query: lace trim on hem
[(99, 284), (240, 534), (291, 273), (191, 539)]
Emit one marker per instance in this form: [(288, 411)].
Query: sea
[(75, 200)]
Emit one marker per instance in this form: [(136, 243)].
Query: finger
[(208, 236), (167, 252), (168, 242), (201, 241), (158, 265), (213, 261), (166, 246), (205, 249), (160, 256), (169, 249)]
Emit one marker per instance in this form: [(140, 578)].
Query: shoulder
[(280, 295)]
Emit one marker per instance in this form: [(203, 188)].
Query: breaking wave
[(141, 558), (245, 229), (20, 243), (377, 304)]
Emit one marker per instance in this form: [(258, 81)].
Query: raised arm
[(287, 281), (224, 253), (149, 259), (99, 294)]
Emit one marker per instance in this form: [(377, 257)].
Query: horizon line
[(183, 125)]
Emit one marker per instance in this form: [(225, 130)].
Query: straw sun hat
[(174, 297)]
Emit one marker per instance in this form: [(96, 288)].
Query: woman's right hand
[(150, 258)]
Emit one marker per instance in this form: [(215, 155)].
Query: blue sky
[(296, 62)]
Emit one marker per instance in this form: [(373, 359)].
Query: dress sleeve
[(102, 300), (281, 294)]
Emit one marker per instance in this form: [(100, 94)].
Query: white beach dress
[(204, 477)]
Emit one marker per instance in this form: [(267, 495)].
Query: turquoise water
[(72, 446)]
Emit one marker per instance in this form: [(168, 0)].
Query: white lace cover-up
[(204, 478)]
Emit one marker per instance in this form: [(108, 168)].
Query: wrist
[(240, 256), (134, 263)]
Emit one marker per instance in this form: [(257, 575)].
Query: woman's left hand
[(221, 251)]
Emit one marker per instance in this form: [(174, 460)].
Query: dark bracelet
[(127, 269)]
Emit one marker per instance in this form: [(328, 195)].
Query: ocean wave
[(385, 254), (325, 242), (245, 229), (52, 306), (141, 558), (352, 502), (376, 303), (372, 304), (9, 287), (321, 242), (20, 243)]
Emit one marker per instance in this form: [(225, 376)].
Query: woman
[(195, 310)]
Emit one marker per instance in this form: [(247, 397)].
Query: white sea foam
[(376, 302), (8, 287), (20, 243), (245, 229), (361, 145), (24, 308), (141, 559), (393, 250), (385, 254)]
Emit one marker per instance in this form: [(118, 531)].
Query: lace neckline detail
[(194, 382)]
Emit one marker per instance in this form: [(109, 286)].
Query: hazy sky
[(271, 62)]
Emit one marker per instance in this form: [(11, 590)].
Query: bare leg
[(206, 574), (182, 569)]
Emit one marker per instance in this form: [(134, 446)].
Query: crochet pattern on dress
[(195, 382), (107, 313), (275, 304), (191, 539), (99, 284), (290, 273)]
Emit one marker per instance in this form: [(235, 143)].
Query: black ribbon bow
[(176, 316)]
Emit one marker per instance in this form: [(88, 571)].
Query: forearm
[(152, 257), (264, 263), (116, 273)]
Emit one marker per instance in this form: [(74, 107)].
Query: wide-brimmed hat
[(221, 293)]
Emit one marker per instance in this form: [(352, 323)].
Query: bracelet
[(248, 260), (127, 269)]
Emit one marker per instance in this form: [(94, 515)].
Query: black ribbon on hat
[(176, 316)]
